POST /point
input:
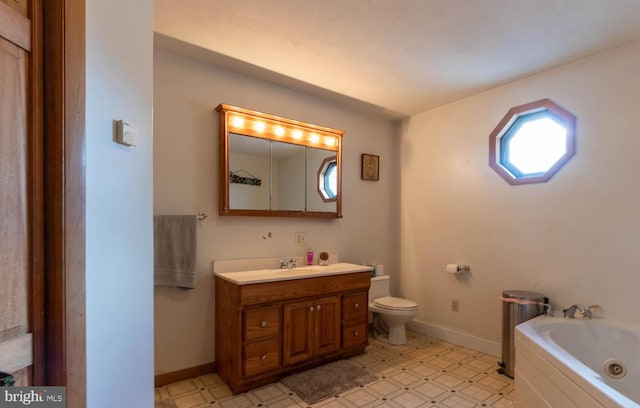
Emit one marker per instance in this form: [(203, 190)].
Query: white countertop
[(272, 275)]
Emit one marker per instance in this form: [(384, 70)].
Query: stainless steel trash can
[(518, 306)]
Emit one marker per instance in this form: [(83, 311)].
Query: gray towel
[(174, 249)]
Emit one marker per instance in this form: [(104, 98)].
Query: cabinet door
[(298, 332), (354, 334), (261, 323), (327, 325), (261, 357), (355, 306)]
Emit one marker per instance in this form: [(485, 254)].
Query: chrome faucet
[(291, 263), (571, 311), (547, 309)]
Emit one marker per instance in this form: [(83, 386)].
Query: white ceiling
[(402, 56)]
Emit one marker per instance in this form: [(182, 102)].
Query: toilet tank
[(379, 287)]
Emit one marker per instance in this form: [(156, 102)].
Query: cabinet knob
[(263, 323), (318, 307), (264, 357), (356, 334), (357, 305), (311, 308)]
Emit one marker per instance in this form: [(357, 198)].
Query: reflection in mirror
[(287, 179), (272, 166), (322, 178), (249, 169)]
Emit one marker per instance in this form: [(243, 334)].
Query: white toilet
[(390, 314)]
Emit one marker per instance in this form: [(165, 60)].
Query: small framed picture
[(370, 167)]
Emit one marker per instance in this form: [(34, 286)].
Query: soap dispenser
[(309, 257)]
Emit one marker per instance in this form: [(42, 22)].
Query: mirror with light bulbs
[(277, 167)]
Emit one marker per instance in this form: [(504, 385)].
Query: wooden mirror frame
[(278, 129)]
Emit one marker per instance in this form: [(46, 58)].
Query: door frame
[(64, 64)]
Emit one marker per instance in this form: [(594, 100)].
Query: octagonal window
[(328, 179), (532, 142)]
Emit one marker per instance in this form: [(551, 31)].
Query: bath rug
[(327, 381), (168, 403)]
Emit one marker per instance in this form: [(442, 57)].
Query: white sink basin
[(270, 275)]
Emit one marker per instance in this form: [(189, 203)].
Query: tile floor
[(425, 372)]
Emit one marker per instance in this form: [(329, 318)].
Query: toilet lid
[(389, 302)]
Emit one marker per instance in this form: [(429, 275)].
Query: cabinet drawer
[(354, 306), (261, 323), (261, 357), (354, 334)]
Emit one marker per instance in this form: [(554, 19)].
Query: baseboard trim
[(457, 337), (184, 374)]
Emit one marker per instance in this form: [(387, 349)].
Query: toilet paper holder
[(455, 268)]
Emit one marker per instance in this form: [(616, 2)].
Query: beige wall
[(119, 204), (573, 238), (185, 182)]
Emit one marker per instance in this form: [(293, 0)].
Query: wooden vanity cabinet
[(261, 348), (311, 328), (354, 318), (265, 331)]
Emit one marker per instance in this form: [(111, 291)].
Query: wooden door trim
[(64, 195), (36, 194)]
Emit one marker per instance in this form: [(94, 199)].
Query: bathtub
[(576, 363)]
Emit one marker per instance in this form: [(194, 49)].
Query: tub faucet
[(570, 312)]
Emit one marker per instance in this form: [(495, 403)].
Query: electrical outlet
[(298, 238), (455, 305)]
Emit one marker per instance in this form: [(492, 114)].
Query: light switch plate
[(126, 134)]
